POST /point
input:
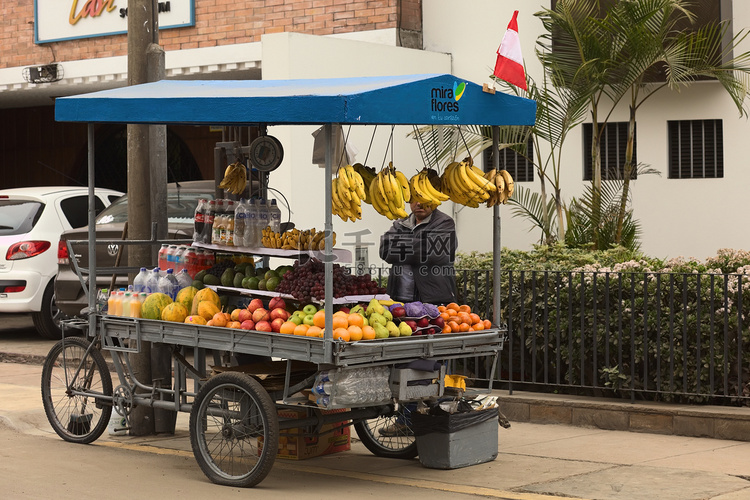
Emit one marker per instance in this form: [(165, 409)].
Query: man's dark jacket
[(430, 250)]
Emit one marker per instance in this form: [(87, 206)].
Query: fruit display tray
[(343, 256), (348, 299)]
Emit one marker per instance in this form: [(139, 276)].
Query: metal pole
[(92, 230), (496, 244), (328, 335)]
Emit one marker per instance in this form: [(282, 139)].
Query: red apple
[(398, 312), (276, 324), (279, 313), (344, 309), (421, 322), (412, 324), (261, 314), (248, 324), (244, 315), (439, 322), (276, 302), (263, 326), (254, 304)]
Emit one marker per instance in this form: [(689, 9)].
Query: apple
[(279, 312), (296, 319), (423, 322), (276, 324), (263, 326), (344, 309), (248, 324), (308, 320), (439, 322), (398, 312), (276, 302), (254, 304), (261, 314), (235, 316), (309, 309), (244, 315), (412, 324)]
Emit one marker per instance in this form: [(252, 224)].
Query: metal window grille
[(696, 149), (613, 145), (520, 167)]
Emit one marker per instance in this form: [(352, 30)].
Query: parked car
[(181, 203), (31, 221)]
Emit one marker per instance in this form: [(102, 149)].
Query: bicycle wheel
[(73, 382), (375, 435), (234, 431)]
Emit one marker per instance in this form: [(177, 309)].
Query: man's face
[(421, 212)]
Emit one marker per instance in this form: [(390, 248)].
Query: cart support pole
[(496, 242), (92, 225), (328, 304)]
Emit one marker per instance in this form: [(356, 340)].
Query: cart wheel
[(234, 430), (76, 391), (399, 444)]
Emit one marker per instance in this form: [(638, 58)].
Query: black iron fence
[(638, 335)]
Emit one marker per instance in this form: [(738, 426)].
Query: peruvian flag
[(509, 65)]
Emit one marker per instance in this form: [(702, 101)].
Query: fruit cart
[(234, 425)]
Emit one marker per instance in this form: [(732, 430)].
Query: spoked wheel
[(76, 391), (234, 430), (387, 436)]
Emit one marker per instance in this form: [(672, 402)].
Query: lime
[(272, 283)]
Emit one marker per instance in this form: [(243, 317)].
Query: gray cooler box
[(452, 441)]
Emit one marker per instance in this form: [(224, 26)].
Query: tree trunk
[(627, 173)]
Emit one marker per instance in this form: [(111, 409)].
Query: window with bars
[(696, 149), (613, 145), (520, 167)]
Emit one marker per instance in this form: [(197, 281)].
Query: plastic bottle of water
[(251, 224), (274, 216), (163, 256), (168, 284), (183, 279), (140, 280), (262, 220), (240, 219), (152, 283)]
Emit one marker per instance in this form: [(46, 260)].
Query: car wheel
[(47, 321)]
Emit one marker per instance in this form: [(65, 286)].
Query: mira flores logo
[(446, 98)]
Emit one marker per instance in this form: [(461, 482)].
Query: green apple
[(310, 309), (296, 319), (308, 320)]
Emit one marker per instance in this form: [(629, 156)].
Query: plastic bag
[(442, 422)]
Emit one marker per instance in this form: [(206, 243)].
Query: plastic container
[(140, 280), (240, 218), (227, 230), (183, 279), (152, 283), (218, 223), (248, 238), (168, 284), (111, 302), (274, 217), (262, 219), (179, 258), (126, 300), (118, 425), (199, 220), (163, 256), (135, 304), (209, 222)]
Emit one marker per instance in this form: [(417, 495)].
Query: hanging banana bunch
[(347, 193), (464, 183), (235, 178), (424, 190), (504, 183), (388, 192)]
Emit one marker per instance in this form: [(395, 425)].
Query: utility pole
[(146, 152)]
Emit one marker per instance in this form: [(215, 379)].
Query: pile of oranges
[(459, 318), (347, 327)]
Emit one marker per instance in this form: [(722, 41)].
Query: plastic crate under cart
[(418, 380)]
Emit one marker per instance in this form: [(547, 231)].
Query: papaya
[(203, 295), (207, 309), (195, 320), (185, 297), (154, 305), (175, 312)]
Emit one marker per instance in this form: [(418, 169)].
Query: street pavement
[(534, 462)]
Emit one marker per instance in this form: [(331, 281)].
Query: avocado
[(237, 282), (210, 279), (262, 284), (227, 277), (200, 275), (252, 283), (198, 284)]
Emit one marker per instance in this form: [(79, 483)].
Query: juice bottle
[(117, 310), (135, 306), (111, 303), (218, 223), (126, 299)]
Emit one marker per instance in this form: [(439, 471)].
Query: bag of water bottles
[(347, 387)]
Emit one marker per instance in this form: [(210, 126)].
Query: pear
[(358, 309), (381, 332), (404, 329), (393, 330), (377, 318), (388, 315), (374, 307)]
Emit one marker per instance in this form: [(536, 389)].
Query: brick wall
[(217, 22)]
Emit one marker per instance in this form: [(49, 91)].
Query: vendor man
[(421, 249)]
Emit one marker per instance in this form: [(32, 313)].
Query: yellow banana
[(477, 176), (378, 202), (509, 185), (430, 189), (355, 181), (404, 184), (341, 174)]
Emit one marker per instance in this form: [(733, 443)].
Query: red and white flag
[(509, 65)]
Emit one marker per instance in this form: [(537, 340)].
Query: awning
[(399, 100)]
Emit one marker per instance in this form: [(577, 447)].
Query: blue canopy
[(400, 100)]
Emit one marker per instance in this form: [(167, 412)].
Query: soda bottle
[(248, 237), (190, 257), (200, 219), (274, 217), (171, 256), (163, 256), (209, 222), (240, 217)]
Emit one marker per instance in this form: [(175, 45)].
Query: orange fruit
[(474, 318), (452, 305), (454, 326), (477, 326), (464, 327), (453, 317), (301, 329), (446, 329), (340, 313), (219, 319), (444, 315), (356, 320), (487, 324), (464, 318), (287, 327), (341, 321), (319, 319), (210, 322), (441, 309), (355, 333), (341, 333), (233, 324), (368, 333), (464, 308), (314, 331)]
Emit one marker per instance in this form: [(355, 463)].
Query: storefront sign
[(57, 20)]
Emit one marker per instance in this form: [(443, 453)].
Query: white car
[(31, 221)]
